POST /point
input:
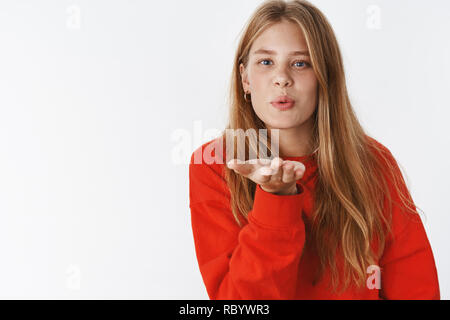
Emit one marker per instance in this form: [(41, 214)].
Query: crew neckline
[(305, 158)]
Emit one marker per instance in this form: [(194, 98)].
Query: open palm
[(277, 176)]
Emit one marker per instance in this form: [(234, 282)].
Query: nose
[(282, 79), (282, 82)]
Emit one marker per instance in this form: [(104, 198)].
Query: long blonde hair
[(352, 185)]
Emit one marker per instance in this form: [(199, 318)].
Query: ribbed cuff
[(277, 210)]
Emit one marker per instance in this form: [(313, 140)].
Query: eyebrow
[(293, 53)]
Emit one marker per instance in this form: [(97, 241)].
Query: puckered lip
[(284, 98)]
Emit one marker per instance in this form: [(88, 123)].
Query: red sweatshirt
[(267, 257)]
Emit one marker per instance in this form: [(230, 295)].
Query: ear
[(244, 77)]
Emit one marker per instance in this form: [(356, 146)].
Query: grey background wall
[(102, 103)]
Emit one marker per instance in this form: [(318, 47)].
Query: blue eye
[(300, 61)]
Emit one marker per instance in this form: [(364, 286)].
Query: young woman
[(331, 216)]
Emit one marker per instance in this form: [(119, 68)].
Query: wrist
[(291, 191)]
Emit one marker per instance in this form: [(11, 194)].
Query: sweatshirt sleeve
[(257, 261), (408, 269)]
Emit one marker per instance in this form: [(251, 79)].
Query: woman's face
[(272, 74)]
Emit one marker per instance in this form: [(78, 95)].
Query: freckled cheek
[(307, 86), (258, 76), (259, 81)]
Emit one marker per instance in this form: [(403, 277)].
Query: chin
[(281, 124)]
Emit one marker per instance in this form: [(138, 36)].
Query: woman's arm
[(408, 269), (259, 260)]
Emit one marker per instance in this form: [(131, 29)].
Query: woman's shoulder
[(209, 153), (377, 145), (384, 154), (208, 158), (206, 173), (390, 166)]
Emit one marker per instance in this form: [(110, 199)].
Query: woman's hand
[(276, 176)]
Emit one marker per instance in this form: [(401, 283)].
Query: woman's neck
[(294, 141)]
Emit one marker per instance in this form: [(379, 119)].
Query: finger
[(276, 166), (288, 172), (264, 174), (299, 170), (264, 161), (232, 163), (265, 171), (251, 169), (242, 167), (298, 165), (276, 163)]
